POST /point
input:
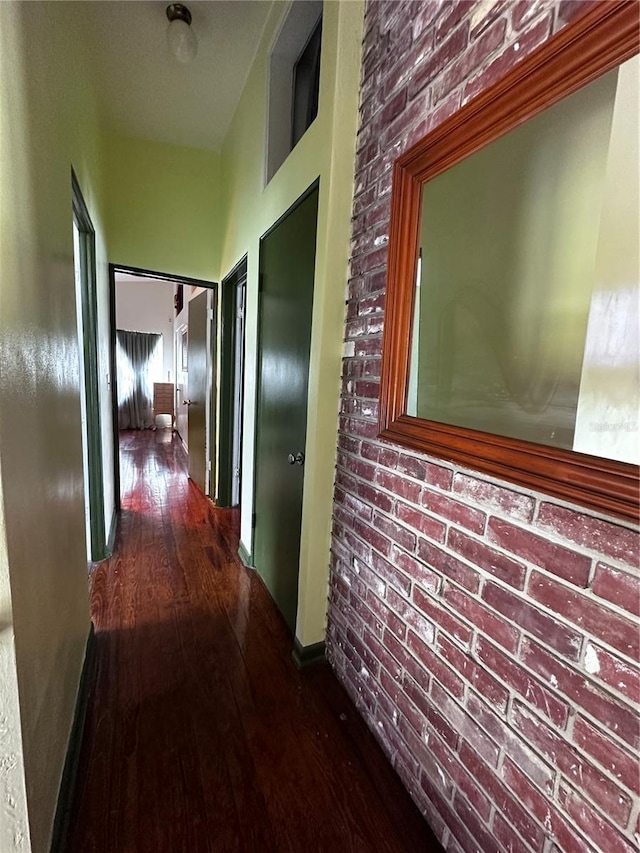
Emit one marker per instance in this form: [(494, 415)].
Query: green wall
[(163, 207), (48, 124)]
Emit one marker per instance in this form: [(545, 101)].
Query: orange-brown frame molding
[(600, 40)]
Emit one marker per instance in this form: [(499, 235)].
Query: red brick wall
[(488, 635)]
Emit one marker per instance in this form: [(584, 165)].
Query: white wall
[(146, 305)]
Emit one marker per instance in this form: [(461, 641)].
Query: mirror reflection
[(526, 313)]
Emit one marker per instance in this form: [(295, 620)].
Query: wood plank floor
[(201, 734)]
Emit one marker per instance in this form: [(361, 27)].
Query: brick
[(357, 546), (522, 682), (507, 837), (539, 806), (423, 627), (400, 653), (531, 619), (618, 674), (451, 15), (447, 565), (560, 561), (391, 575), (458, 513), (495, 498), (524, 11), (568, 760), (609, 755), (515, 52), (618, 587), (396, 532), (368, 617), (374, 496), (611, 713), (433, 609), (420, 520), (426, 472), (439, 59), (466, 727), (387, 456), (416, 570), (399, 485), (369, 451), (370, 390), (352, 504), (433, 788), (487, 558), (482, 618), (476, 675), (372, 537), (515, 748), (461, 777), (503, 799), (368, 659), (358, 427), (435, 665), (587, 613), (420, 699), (479, 831), (592, 824), (608, 539), (422, 18), (382, 655), (385, 615), (473, 58)]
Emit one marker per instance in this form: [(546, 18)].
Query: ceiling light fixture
[(182, 39)]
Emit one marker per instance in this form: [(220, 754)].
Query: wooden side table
[(163, 401)]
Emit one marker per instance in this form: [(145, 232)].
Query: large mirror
[(512, 333)]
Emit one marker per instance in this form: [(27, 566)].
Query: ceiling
[(145, 92)]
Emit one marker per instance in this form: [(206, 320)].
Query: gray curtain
[(135, 387)]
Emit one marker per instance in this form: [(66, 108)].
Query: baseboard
[(245, 556), (59, 841), (304, 656), (113, 531)]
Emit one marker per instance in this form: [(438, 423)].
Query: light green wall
[(163, 207), (509, 240), (327, 151), (48, 124)]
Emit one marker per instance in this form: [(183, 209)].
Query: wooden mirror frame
[(600, 40)]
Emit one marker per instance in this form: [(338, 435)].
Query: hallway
[(201, 735)]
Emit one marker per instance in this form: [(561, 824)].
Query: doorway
[(287, 266), (231, 385), (87, 313), (204, 359)]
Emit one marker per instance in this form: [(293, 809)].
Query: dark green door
[(287, 261), (198, 373)]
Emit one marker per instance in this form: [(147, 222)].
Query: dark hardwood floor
[(201, 735)]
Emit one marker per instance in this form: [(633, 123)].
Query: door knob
[(298, 459), (188, 402)]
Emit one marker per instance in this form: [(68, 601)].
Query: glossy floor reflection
[(201, 734)]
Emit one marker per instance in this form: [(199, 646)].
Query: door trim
[(90, 379), (228, 349), (143, 273)]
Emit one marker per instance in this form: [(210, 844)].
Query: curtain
[(139, 360)]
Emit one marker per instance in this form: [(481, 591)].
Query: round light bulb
[(182, 41)]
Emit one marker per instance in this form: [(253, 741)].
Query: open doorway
[(148, 392), (231, 385), (87, 318)]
